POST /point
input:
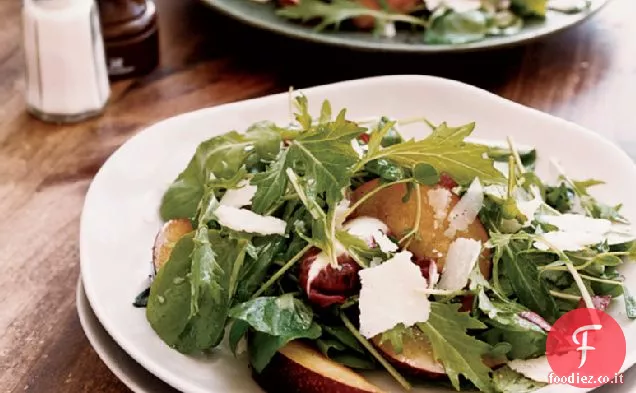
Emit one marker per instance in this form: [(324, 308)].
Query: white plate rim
[(134, 376)]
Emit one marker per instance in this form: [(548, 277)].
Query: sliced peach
[(167, 238), (299, 368), (430, 241)]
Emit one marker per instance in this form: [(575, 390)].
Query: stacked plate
[(120, 219)]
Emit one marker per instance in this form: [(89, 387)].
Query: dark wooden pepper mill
[(131, 37)]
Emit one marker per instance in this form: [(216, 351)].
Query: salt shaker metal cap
[(66, 76)]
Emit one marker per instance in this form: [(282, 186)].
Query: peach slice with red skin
[(298, 368)]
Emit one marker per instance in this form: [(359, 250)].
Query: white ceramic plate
[(120, 217), (137, 378)]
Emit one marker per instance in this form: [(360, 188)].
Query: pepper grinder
[(131, 37)]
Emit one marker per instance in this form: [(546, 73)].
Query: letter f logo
[(583, 343)]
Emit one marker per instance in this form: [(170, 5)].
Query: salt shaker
[(66, 76)]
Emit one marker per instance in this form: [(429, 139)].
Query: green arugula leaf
[(358, 249), (536, 8), (276, 316), (522, 272), (266, 140), (221, 156), (323, 154), (559, 197), (271, 185), (303, 117), (256, 267), (344, 336), (506, 380), (168, 309), (425, 174), (446, 151), (191, 295), (511, 328), (325, 112), (630, 303), (337, 11), (378, 135), (337, 351), (385, 170), (237, 332), (263, 346), (459, 353), (451, 27)]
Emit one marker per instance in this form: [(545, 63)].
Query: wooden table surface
[(587, 75)]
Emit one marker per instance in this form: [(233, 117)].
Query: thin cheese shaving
[(536, 369), (391, 293), (239, 197), (466, 210), (439, 198), (244, 220), (461, 258)]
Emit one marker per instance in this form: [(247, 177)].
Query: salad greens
[(440, 22), (222, 279)]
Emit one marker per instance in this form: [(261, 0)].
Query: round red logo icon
[(585, 348)]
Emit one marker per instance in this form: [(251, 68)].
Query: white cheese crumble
[(536, 369), (461, 257), (465, 211), (529, 208), (439, 198), (244, 220), (391, 293), (239, 197), (357, 148), (371, 230), (320, 263), (433, 275)]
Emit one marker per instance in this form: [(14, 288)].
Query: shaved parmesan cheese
[(502, 167), (620, 233), (371, 230), (575, 231), (439, 198), (536, 369), (577, 222), (433, 275), (466, 210), (391, 293), (244, 220), (461, 257), (239, 197), (529, 208), (496, 190)]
